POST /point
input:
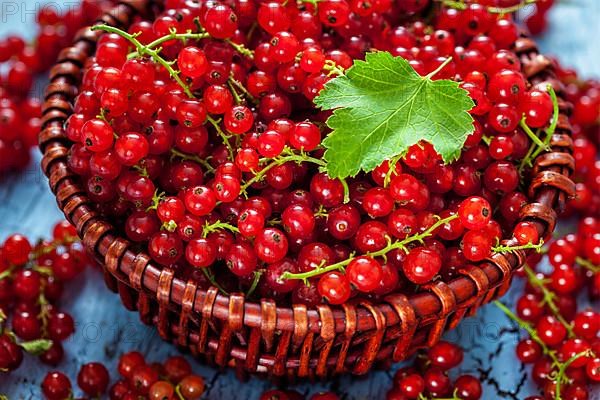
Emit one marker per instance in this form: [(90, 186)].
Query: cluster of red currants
[(585, 120), (195, 133), (20, 109), (31, 285), (171, 380), (428, 377), (563, 343), (537, 21)]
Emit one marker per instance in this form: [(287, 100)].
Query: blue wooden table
[(105, 329)]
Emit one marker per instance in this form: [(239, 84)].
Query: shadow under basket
[(263, 337)]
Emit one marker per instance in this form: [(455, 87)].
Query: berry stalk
[(173, 35), (506, 249), (530, 330), (538, 146), (587, 264), (217, 226), (461, 5), (401, 244), (144, 50), (548, 299), (189, 157), (287, 155), (561, 375)]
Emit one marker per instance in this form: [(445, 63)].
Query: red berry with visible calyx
[(97, 135), (334, 12), (238, 119), (220, 21), (241, 259), (166, 248), (284, 47), (271, 245), (143, 377), (506, 86), (474, 212)]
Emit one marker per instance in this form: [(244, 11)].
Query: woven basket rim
[(549, 189)]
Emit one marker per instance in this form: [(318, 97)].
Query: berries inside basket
[(305, 189)]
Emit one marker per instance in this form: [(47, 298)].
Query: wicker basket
[(292, 342)]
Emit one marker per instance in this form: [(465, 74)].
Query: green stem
[(555, 114), (391, 169), (461, 5), (587, 264), (143, 50), (438, 69), (236, 95), (333, 69), (243, 89), (506, 249), (548, 299), (44, 314), (526, 161), (211, 278), (530, 330), (287, 156), (172, 36), (534, 138), (255, 281), (561, 377), (401, 244), (321, 212), (189, 157), (223, 136), (156, 199), (42, 250), (7, 272), (169, 226), (454, 397), (535, 149), (240, 48), (346, 191), (217, 226)]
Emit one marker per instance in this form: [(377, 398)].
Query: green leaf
[(382, 107), (36, 347)]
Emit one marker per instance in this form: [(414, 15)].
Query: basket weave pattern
[(279, 340)]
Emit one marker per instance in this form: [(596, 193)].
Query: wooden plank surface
[(105, 329)]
